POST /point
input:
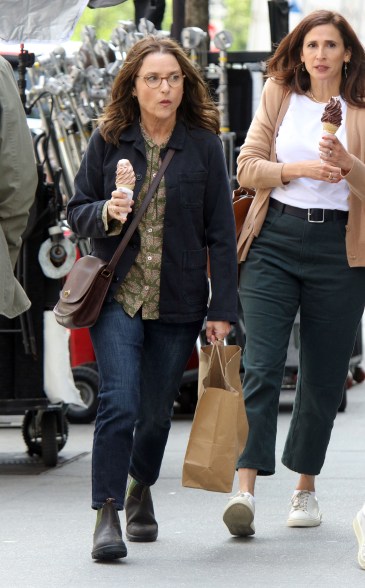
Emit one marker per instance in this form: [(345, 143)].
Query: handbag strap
[(140, 212)]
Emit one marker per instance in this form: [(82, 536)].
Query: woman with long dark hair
[(302, 248)]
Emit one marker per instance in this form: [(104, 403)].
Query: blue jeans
[(141, 364), (296, 264)]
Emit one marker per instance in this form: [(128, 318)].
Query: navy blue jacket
[(198, 216)]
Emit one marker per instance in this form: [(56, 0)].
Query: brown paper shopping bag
[(219, 430)]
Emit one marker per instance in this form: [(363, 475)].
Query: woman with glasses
[(156, 307)]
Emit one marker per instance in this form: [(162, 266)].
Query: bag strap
[(140, 212)]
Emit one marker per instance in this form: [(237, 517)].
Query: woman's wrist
[(109, 217), (348, 167), (289, 172)]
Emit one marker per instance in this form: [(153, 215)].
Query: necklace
[(314, 98)]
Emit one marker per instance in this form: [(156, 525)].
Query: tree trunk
[(197, 14)]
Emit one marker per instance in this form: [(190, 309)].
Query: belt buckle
[(315, 221)]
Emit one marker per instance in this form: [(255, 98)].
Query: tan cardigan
[(258, 167)]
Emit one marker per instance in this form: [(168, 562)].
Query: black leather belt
[(312, 215)]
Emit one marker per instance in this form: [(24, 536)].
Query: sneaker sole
[(360, 539), (109, 552), (303, 523), (239, 520)]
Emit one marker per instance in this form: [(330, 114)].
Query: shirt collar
[(176, 141)]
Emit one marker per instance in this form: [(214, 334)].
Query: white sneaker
[(305, 510), (359, 528), (239, 514)]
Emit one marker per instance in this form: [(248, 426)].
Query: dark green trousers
[(292, 265)]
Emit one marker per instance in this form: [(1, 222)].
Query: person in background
[(155, 310), (302, 247), (18, 182), (152, 10), (359, 528)]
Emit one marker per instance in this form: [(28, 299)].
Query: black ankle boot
[(108, 542), (141, 522)]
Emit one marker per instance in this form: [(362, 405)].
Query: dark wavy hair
[(285, 65), (197, 108)]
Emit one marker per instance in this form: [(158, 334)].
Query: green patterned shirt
[(141, 287)]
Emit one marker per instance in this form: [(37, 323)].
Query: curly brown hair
[(197, 108), (286, 67)]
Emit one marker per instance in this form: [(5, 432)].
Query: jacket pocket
[(192, 189), (195, 283)]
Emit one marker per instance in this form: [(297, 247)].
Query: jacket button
[(138, 176)]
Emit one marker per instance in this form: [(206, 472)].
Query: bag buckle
[(105, 273), (310, 220)]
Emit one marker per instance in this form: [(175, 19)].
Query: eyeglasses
[(152, 81)]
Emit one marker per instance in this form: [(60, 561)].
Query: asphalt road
[(47, 524)]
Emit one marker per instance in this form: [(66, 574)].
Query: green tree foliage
[(106, 19), (237, 20)]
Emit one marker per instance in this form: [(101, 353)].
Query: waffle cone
[(130, 186), (330, 128)]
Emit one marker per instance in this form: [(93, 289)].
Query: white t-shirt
[(298, 140)]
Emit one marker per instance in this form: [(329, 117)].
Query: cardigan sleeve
[(256, 163)]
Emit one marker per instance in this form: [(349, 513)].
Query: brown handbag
[(88, 282), (242, 200)]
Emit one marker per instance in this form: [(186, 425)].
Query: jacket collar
[(177, 139)]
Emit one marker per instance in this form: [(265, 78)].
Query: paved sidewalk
[(47, 524)]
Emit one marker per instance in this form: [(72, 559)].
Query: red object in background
[(193, 362), (82, 351), (81, 348)]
